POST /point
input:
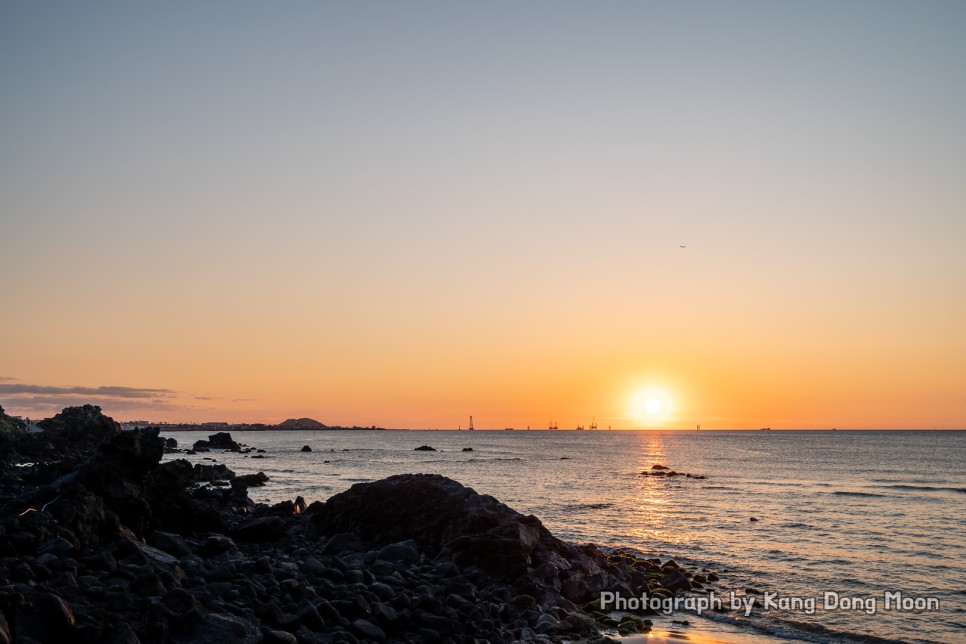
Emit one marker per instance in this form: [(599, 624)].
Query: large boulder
[(221, 440), (447, 520), (84, 424), (179, 506), (9, 424), (116, 473), (430, 509)]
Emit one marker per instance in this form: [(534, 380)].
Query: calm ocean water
[(857, 513)]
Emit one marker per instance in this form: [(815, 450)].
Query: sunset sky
[(402, 214)]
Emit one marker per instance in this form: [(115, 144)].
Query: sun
[(651, 405)]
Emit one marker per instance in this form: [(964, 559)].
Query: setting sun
[(651, 405)]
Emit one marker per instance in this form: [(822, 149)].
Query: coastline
[(103, 541), (218, 503)]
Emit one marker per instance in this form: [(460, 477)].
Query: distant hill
[(301, 423)]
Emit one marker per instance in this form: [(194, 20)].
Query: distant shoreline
[(274, 428), (271, 428)]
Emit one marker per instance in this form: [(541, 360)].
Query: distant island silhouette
[(292, 424)]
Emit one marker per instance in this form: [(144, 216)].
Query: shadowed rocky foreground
[(102, 542)]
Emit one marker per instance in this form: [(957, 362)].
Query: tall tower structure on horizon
[(471, 423)]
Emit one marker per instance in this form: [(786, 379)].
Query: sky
[(641, 214)]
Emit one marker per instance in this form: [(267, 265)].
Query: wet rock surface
[(108, 544)]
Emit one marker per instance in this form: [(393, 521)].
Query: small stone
[(123, 633), (56, 546), (425, 448), (369, 630), (675, 581), (403, 552), (306, 448), (270, 636), (383, 591), (261, 530), (327, 611), (215, 545), (178, 604), (170, 543), (309, 615), (384, 614), (429, 635), (54, 617), (147, 586), (342, 543)]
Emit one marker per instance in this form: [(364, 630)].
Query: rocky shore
[(100, 541)]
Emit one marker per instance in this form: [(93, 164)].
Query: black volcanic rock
[(120, 547), (221, 440), (450, 521), (424, 448), (85, 423), (9, 424), (428, 508), (259, 530), (116, 474)]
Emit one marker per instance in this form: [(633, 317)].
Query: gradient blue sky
[(405, 213)]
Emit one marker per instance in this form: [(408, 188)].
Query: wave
[(588, 506), (925, 488), (791, 629), (840, 493)]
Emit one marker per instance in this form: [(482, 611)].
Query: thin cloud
[(109, 391), (33, 405), (44, 400)]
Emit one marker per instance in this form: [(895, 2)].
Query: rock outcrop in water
[(119, 547), (221, 440)]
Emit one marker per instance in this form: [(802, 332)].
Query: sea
[(835, 535)]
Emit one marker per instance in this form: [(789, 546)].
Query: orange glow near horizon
[(282, 222)]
